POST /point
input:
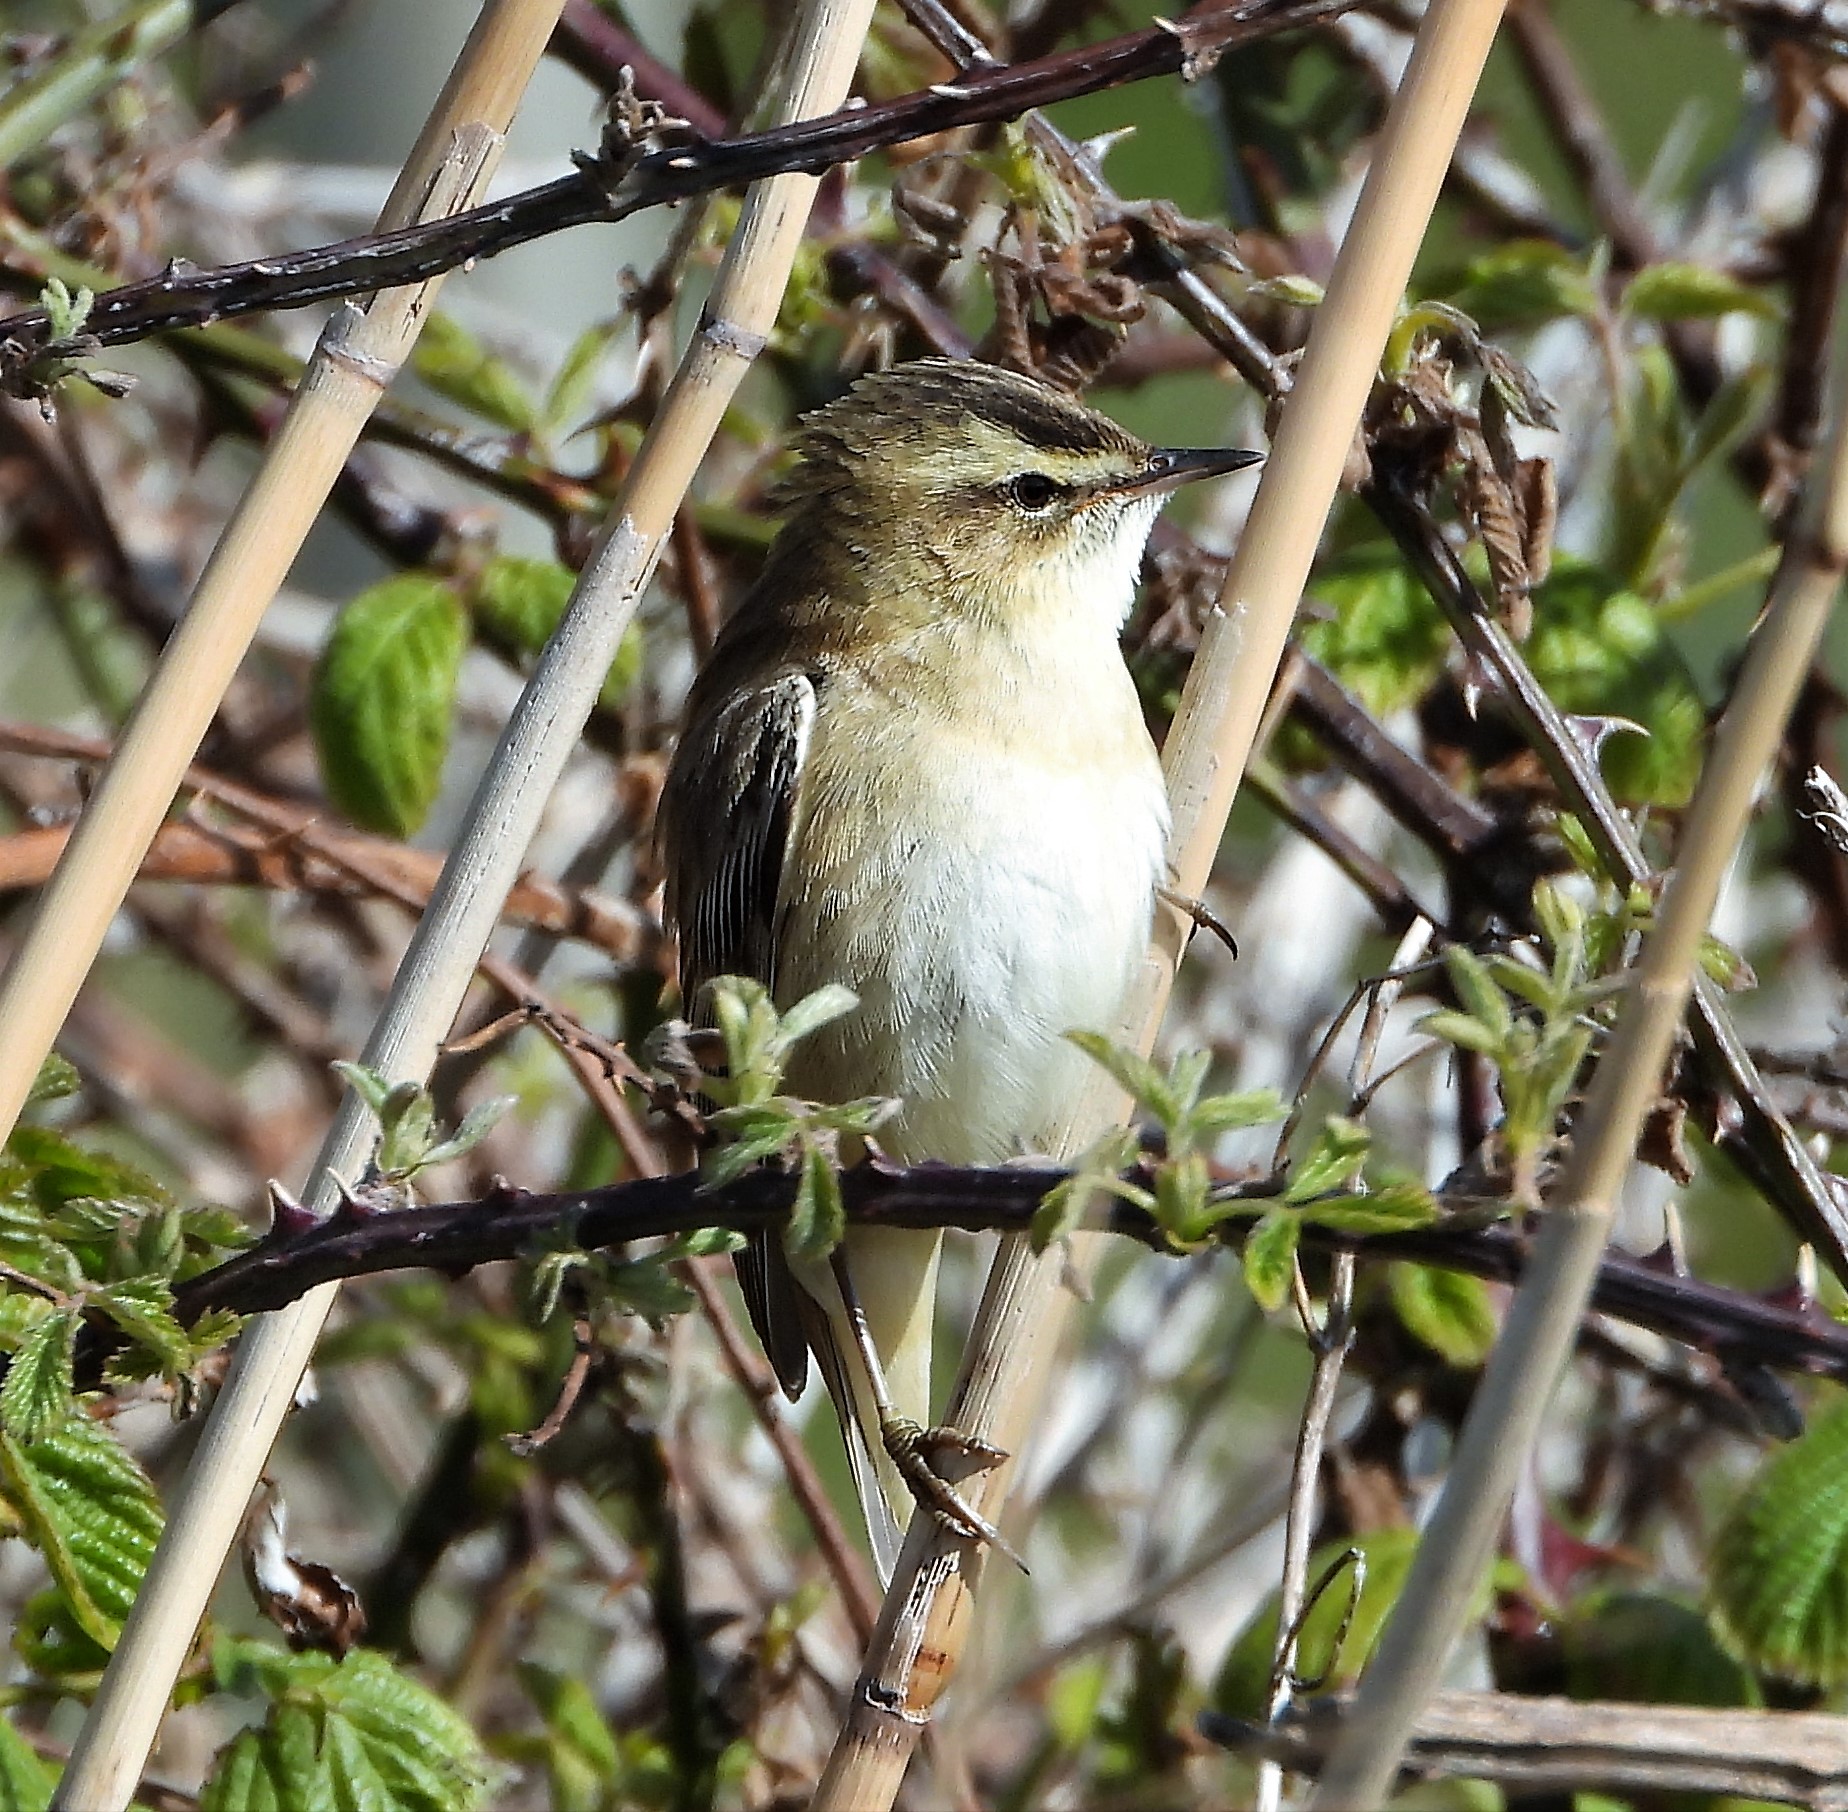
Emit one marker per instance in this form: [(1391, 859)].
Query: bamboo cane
[(1510, 1402), (482, 866), (923, 1624), (359, 353)]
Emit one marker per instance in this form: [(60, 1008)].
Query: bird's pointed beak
[(1171, 467)]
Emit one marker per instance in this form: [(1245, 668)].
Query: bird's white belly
[(1009, 906)]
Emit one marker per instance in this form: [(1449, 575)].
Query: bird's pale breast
[(982, 874)]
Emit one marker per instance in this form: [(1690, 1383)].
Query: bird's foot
[(914, 1447)]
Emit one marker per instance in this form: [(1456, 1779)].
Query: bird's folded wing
[(725, 825)]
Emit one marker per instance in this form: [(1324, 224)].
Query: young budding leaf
[(1476, 989), (1135, 1073), (812, 1012), (818, 1217), (1395, 1209), (1334, 1161), (1689, 292), (1215, 1114), (1269, 1258)]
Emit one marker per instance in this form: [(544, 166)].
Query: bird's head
[(1000, 484)]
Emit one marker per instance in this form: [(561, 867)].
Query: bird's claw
[(911, 1446)]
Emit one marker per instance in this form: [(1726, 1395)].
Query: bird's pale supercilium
[(915, 764)]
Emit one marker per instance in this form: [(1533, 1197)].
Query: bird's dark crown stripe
[(1039, 421)]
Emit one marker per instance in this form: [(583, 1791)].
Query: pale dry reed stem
[(1543, 1320), (485, 861), (359, 353), (923, 1626)]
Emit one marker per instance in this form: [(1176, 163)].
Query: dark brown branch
[(454, 1237), (182, 296)]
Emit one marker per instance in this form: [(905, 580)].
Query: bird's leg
[(1203, 916), (910, 1444)]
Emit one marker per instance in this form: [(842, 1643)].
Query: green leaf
[(818, 1217), (458, 367), (1725, 966), (752, 1132), (29, 1249), (1690, 292), (706, 1242), (1215, 1114), (812, 1012), (1396, 1209), (57, 1077), (39, 1392), (1779, 1570), (426, 1753), (1135, 1073), (349, 1735), (90, 1510), (1461, 1030), (26, 1782), (382, 699), (244, 1779), (647, 1287), (1181, 1188), (142, 1307), (63, 1172), (1643, 1648), (571, 383), (1098, 1169), (1451, 1313), (476, 1125), (1269, 1258), (1060, 1211), (1384, 641), (1333, 1162), (576, 1726), (1525, 283), (1481, 998), (370, 1086), (1600, 650), (517, 603)]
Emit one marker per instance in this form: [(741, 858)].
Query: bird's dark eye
[(1034, 491)]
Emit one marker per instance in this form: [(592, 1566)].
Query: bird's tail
[(894, 1275)]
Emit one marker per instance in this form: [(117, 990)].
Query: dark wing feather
[(726, 812)]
